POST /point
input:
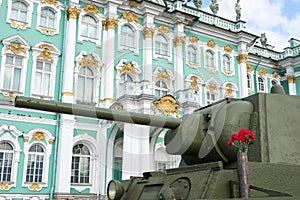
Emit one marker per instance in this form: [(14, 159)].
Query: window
[(118, 156), (125, 77), (191, 55), (261, 84), (161, 88), (89, 27), (127, 36), (35, 164), (13, 72), (19, 11), (6, 161), (161, 45), (210, 59), (226, 63), (161, 166), (80, 164), (249, 85), (85, 85), (274, 82), (43, 78), (47, 18), (210, 97)]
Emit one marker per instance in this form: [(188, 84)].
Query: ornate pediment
[(166, 105)]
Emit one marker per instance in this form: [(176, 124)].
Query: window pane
[(46, 85), (43, 21), (7, 78), (38, 82), (17, 79), (23, 16)]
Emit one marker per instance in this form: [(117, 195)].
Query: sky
[(279, 19)]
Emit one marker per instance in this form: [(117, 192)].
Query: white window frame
[(169, 38), (214, 68), (263, 84), (98, 17), (137, 28), (169, 82), (18, 24), (233, 89), (54, 59), (10, 134), (160, 89), (47, 145), (57, 8), (230, 71), (24, 54), (197, 51), (94, 79)]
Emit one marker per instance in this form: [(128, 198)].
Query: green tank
[(208, 169)]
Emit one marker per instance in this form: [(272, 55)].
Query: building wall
[(101, 69)]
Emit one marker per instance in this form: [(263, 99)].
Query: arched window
[(81, 160), (127, 36), (249, 85), (125, 77), (85, 85), (47, 18), (35, 164), (210, 59), (89, 27), (226, 63), (161, 88), (161, 45), (19, 11), (13, 72), (43, 77), (261, 84), (274, 82), (6, 159), (191, 54)]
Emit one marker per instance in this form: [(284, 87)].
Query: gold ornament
[(178, 41), (262, 72), (249, 68), (194, 39), (228, 49), (242, 58), (38, 136), (34, 186), (163, 29), (291, 79), (148, 32), (4, 186), (73, 13), (130, 17), (16, 48), (166, 105), (194, 83), (275, 75), (211, 43), (89, 61), (46, 54), (212, 87), (106, 100), (18, 25), (163, 75), (109, 23), (128, 68), (67, 94), (91, 8)]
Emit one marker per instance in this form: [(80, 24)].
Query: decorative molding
[(26, 139), (229, 91), (38, 136), (128, 68), (192, 65), (132, 3), (8, 94), (194, 83), (194, 39), (249, 68), (211, 43), (18, 25), (46, 54), (106, 100), (291, 79), (4, 186), (275, 75), (47, 31), (50, 141), (117, 106), (228, 73), (212, 87), (91, 8), (130, 17), (211, 69), (148, 32), (242, 58), (166, 105), (178, 41), (16, 48), (163, 75), (34, 187), (109, 23), (228, 49), (262, 72), (73, 13), (89, 61), (67, 94), (54, 2), (163, 29)]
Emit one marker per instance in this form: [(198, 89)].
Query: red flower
[(230, 142), (242, 139)]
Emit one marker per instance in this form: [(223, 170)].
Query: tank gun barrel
[(95, 112)]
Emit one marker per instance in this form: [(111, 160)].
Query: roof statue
[(214, 6), (263, 40), (198, 3), (238, 10)]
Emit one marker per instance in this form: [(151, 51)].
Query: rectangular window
[(12, 73), (34, 173), (5, 166), (43, 75)]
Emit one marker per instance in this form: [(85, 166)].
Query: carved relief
[(54, 2), (117, 106), (228, 73), (148, 32), (130, 17), (262, 72), (67, 94), (194, 39), (10, 95), (18, 25), (291, 79), (47, 31), (242, 58), (229, 91), (163, 29), (106, 100), (50, 141), (109, 23), (128, 68), (132, 3), (211, 43), (89, 61), (46, 54), (38, 136), (178, 41), (249, 68), (166, 105), (35, 187), (194, 83), (91, 8), (275, 75), (4, 186), (73, 13), (228, 49), (16, 48), (163, 75), (212, 87), (26, 139)]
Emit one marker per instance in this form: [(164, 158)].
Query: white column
[(64, 158), (136, 155), (69, 55), (178, 65), (242, 58), (292, 84), (147, 53)]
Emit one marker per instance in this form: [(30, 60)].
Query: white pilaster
[(292, 85), (243, 78), (178, 57), (136, 155), (64, 159)]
